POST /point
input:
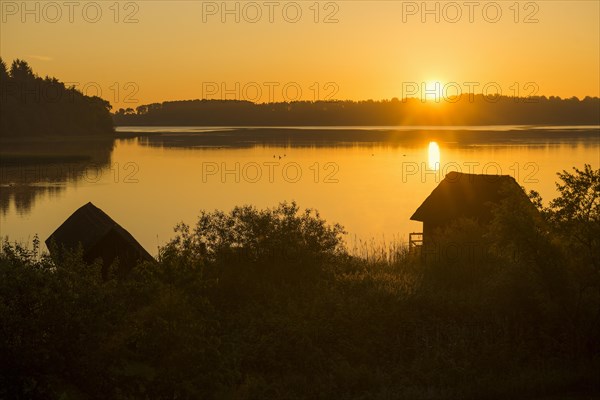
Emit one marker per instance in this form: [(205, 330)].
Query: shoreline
[(301, 135)]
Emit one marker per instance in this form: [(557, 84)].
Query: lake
[(369, 179)]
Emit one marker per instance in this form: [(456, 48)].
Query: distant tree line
[(35, 106), (467, 109)]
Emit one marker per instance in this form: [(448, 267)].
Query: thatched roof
[(462, 195), (88, 226)]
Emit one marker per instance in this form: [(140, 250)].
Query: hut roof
[(88, 226), (462, 195)]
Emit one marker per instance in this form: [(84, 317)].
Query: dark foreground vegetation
[(467, 109), (269, 305), (34, 106)]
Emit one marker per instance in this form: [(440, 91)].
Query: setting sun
[(433, 91), (299, 199)]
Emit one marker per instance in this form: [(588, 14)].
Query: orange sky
[(134, 53)]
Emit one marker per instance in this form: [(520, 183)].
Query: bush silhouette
[(227, 314)]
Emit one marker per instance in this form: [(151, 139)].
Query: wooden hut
[(99, 237), (459, 196)]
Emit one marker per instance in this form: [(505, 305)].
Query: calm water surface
[(150, 183)]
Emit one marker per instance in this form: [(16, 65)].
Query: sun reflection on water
[(434, 156)]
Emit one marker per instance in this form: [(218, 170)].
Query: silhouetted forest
[(35, 106), (270, 304), (464, 110)]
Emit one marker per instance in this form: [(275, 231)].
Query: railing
[(415, 241)]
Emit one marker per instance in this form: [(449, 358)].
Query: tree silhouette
[(35, 106), (467, 109)]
